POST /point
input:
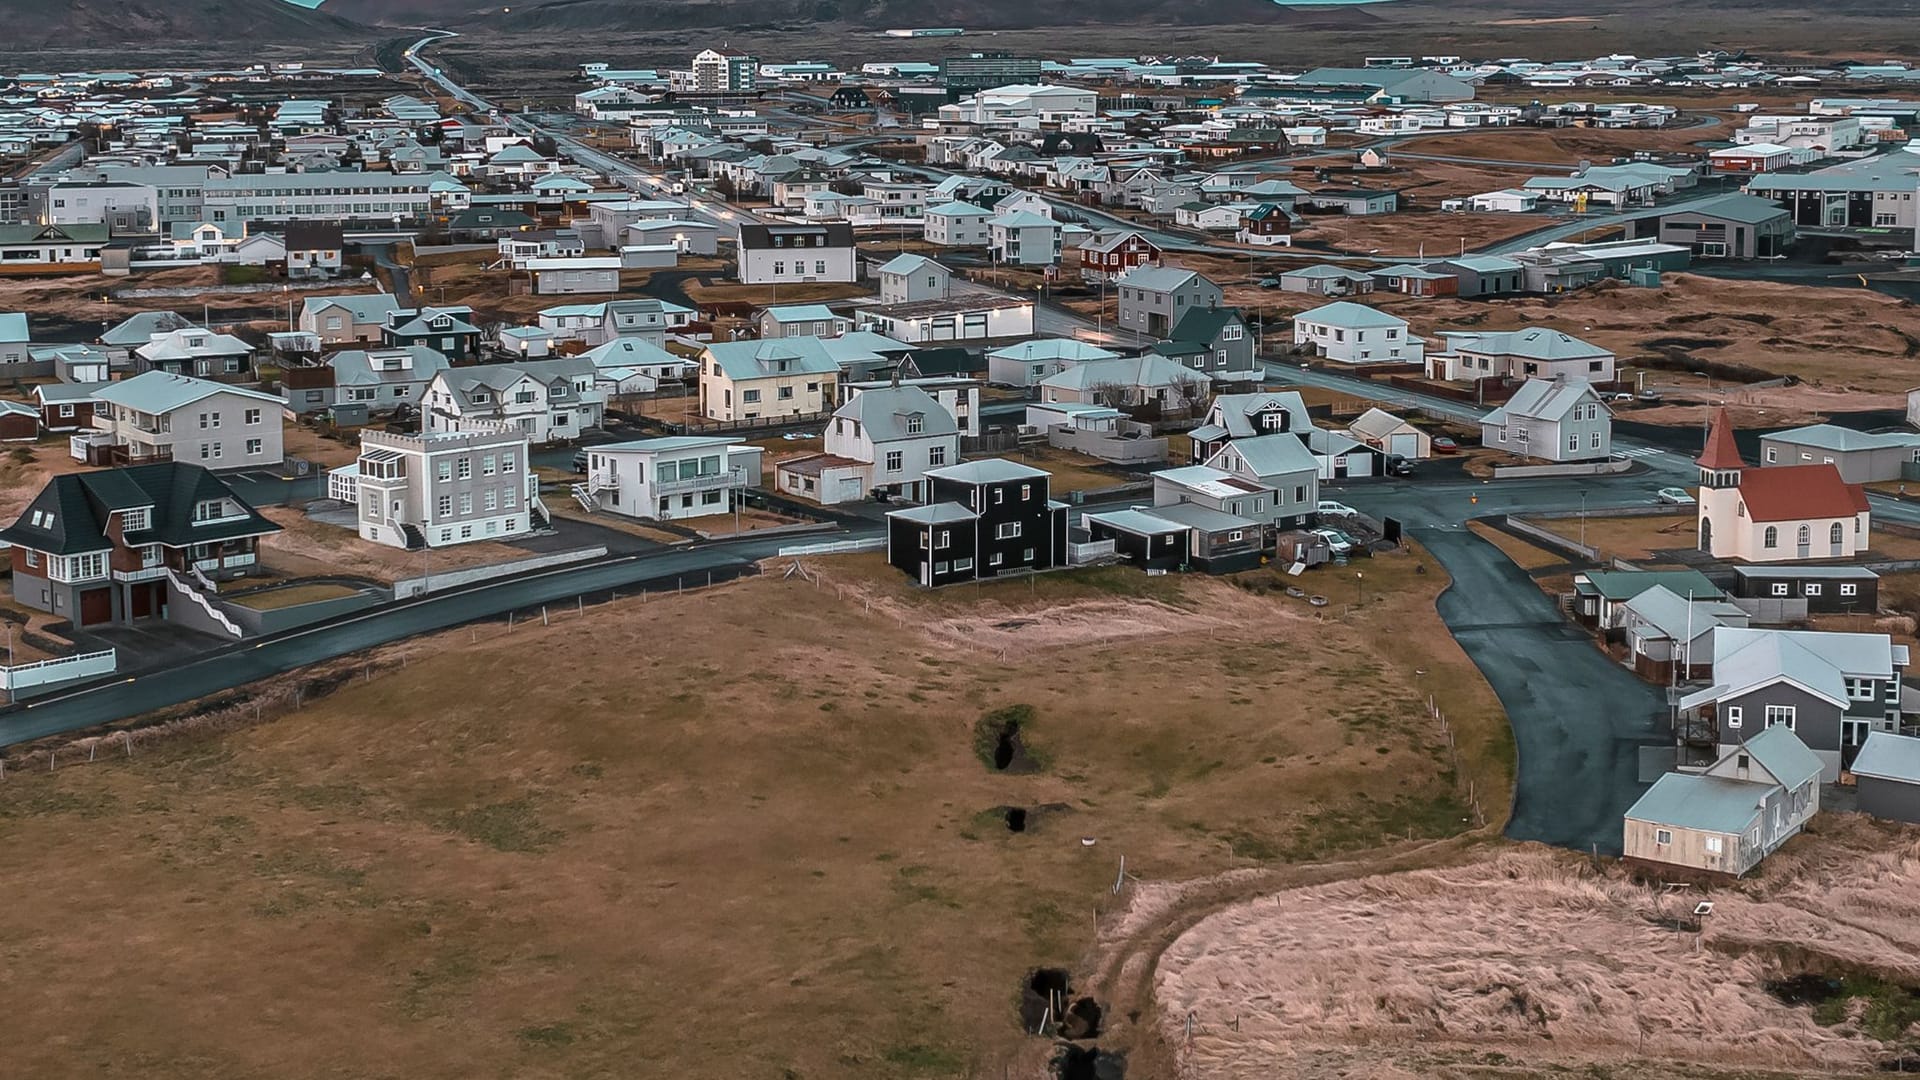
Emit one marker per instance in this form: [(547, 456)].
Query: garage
[(1404, 443), (147, 599), (96, 606)]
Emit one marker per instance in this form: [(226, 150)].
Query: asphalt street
[(1579, 719), (241, 664)]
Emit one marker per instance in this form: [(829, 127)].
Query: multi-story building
[(379, 379), (1537, 352), (195, 350), (987, 71), (372, 198), (443, 488), (982, 518), (725, 71), (1153, 299), (1023, 239), (752, 380), (119, 545), (120, 206), (681, 476), (773, 254), (160, 417), (342, 319), (956, 224), (1558, 419), (881, 441), (546, 400)]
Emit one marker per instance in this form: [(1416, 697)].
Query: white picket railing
[(836, 547), (186, 588), (59, 669)]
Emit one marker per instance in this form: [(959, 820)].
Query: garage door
[(96, 606), (1406, 444), (146, 597)]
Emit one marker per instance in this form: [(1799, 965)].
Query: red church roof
[(1721, 453), (1797, 492)]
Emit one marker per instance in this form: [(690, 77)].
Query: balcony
[(145, 573), (730, 478)]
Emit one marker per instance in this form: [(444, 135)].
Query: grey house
[(1216, 341), (1886, 775), (1733, 226), (1280, 462), (1557, 420), (1222, 491), (1483, 275), (1862, 457), (1153, 299), (906, 278), (1830, 689)]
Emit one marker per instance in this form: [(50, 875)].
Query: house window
[(936, 455), (1573, 442), (253, 416), (1733, 717), (785, 393), (254, 446), (1812, 589), (1026, 492), (1780, 716), (1712, 845), (1593, 441), (509, 463), (1780, 588), (443, 469), (489, 500), (1663, 836), (33, 557), (486, 465), (1849, 590), (1008, 530), (943, 539), (894, 460), (1773, 455), (915, 424), (466, 468), (750, 397), (1835, 534), (1770, 538), (443, 506)]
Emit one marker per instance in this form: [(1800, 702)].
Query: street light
[(1583, 517), (1360, 583)]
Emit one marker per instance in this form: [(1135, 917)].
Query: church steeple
[(1720, 463)]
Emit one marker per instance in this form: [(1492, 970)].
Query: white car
[(1329, 508), (1674, 496), (1336, 541)]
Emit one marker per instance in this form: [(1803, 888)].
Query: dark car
[(579, 461), (1398, 465)]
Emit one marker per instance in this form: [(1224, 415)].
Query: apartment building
[(330, 196), (442, 488), (156, 416)]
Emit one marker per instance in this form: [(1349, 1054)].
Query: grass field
[(1627, 537), (751, 832)]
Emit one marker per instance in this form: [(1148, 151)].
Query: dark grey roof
[(69, 516)]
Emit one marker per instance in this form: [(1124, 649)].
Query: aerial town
[(925, 554)]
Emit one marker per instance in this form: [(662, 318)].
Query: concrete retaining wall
[(420, 586), (1576, 468), (1552, 539), (255, 622)]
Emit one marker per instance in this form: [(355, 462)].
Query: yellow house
[(757, 380)]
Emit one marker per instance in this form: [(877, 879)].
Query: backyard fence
[(18, 677), (1463, 780)]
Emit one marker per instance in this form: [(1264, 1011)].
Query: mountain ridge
[(868, 14), (37, 24)]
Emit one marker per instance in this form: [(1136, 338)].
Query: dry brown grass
[(1071, 471), (301, 441), (25, 468), (1627, 537), (1532, 959), (1524, 555), (293, 596), (307, 548), (736, 833)]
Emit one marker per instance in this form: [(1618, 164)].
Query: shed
[(1886, 774)]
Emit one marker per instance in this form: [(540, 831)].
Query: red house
[(65, 406), (1106, 255)]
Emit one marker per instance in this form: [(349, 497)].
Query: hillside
[(37, 24), (744, 14)]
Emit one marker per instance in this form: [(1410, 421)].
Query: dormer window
[(136, 519), (209, 510), (914, 424)]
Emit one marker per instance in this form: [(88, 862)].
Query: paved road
[(1579, 719), (245, 663)]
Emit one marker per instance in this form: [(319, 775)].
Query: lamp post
[(1583, 517), (1360, 583)]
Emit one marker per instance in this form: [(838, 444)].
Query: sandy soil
[(1533, 954), (307, 548)]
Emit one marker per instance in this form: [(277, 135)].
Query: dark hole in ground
[(1043, 998), (1089, 1063), (1010, 752), (1905, 1063), (1804, 989), (1083, 1020), (1016, 819)]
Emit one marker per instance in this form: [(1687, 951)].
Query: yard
[(1626, 537), (635, 862), (1071, 471)]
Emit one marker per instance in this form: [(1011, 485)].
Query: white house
[(882, 440), (1024, 239), (775, 254), (1505, 201), (547, 400), (1561, 419), (441, 489), (907, 277), (1779, 513), (669, 478), (156, 416), (956, 224), (1537, 352), (1350, 333)]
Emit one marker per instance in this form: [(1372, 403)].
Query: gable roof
[(1533, 343), (1679, 618), (1627, 584), (1704, 803), (774, 356), (1051, 349), (1235, 412), (1376, 423), (1799, 493), (1146, 370), (363, 307), (1835, 437), (1550, 399), (1816, 661), (1887, 756), (158, 392), (1266, 455), (141, 328), (1780, 752), (1159, 278), (883, 414), (1203, 325), (909, 264)]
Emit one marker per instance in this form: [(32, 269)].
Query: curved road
[(244, 663)]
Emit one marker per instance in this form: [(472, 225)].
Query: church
[(1781, 513)]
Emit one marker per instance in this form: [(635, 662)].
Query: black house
[(1824, 588), (982, 518), (850, 97)]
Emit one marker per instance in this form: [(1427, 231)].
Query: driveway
[(1578, 718)]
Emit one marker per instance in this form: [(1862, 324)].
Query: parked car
[(1648, 395), (1443, 444), (1337, 541), (1398, 465), (1269, 282), (579, 461), (1329, 508), (1674, 496), (1620, 396)]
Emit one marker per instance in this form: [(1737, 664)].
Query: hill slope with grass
[(37, 24)]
